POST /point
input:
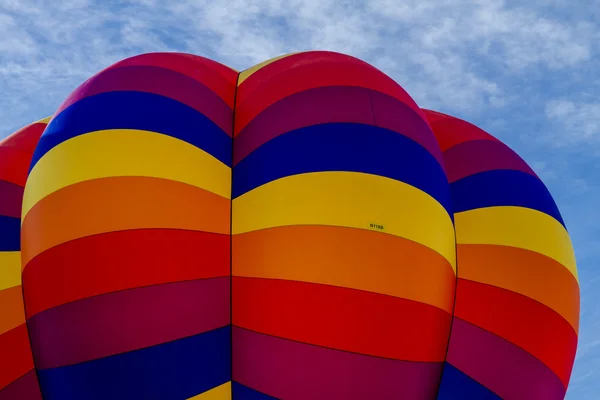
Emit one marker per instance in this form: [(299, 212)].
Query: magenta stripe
[(24, 388), (476, 156), (122, 321), (161, 81), (499, 365), (290, 370), (306, 108), (398, 117), (11, 199)]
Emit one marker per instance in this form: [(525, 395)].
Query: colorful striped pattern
[(516, 317), (343, 243), (126, 222), (298, 230), (17, 375)]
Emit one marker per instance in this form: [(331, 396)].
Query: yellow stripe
[(517, 227), (348, 199), (43, 120), (246, 73), (124, 152), (10, 269), (222, 392)]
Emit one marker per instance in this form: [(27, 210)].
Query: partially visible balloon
[(516, 316), (17, 374)]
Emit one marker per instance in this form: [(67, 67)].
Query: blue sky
[(525, 71)]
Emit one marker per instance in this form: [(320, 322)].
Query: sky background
[(525, 71)]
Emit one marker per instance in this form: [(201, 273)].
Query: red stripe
[(26, 138), (24, 388), (218, 77), (14, 165), (305, 71), (121, 260), (128, 320), (528, 324), (341, 318), (16, 358), (450, 131)]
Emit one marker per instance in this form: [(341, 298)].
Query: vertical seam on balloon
[(231, 233)]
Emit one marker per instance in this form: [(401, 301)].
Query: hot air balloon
[(298, 230)]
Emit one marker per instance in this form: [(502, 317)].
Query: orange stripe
[(346, 257), (526, 272), (12, 311), (120, 203)]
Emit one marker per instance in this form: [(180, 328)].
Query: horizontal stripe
[(10, 269), (24, 388), (245, 74), (241, 392), (343, 147), (11, 199), (341, 318), (475, 156), (14, 165), (305, 71), (85, 330), (122, 260), (221, 392), (399, 117), (346, 257), (144, 112), (503, 188), (174, 370), (522, 271), (347, 199), (26, 138), (451, 131), (518, 227), (124, 153), (16, 355), (161, 81), (273, 366), (120, 203), (334, 104), (220, 78), (12, 311), (524, 322), (10, 233), (502, 367), (458, 385)]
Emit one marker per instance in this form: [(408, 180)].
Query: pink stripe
[(11, 199), (159, 81), (476, 156), (398, 117), (24, 388), (290, 370), (501, 366), (123, 321), (309, 107)]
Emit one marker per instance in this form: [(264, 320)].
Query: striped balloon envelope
[(298, 230)]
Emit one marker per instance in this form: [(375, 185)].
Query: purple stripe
[(24, 388), (306, 108), (499, 365), (128, 320), (161, 81), (476, 156), (11, 199), (290, 370), (398, 117)]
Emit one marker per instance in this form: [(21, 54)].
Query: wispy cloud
[(525, 71)]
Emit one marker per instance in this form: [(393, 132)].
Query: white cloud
[(579, 121)]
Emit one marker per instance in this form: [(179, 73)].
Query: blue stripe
[(241, 392), (456, 385), (343, 147), (136, 110), (10, 233), (503, 188), (174, 370)]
